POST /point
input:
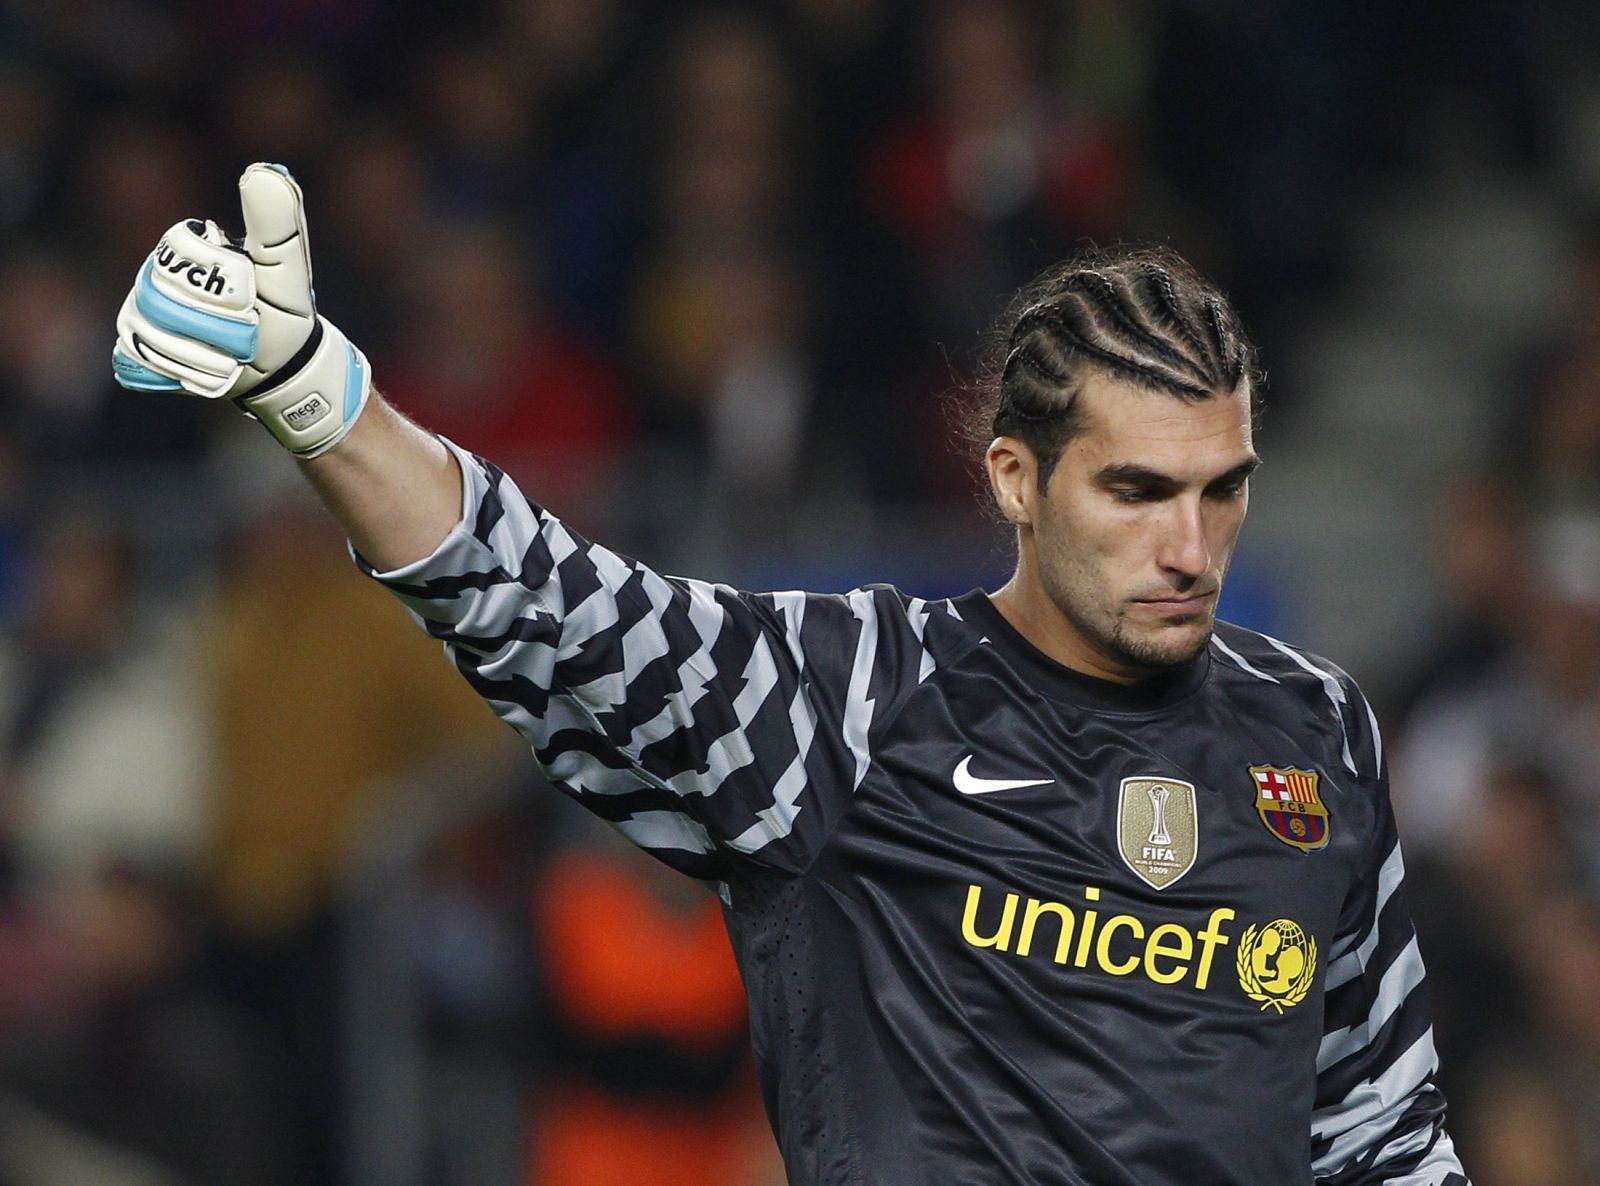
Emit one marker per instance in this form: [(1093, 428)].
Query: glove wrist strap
[(322, 391)]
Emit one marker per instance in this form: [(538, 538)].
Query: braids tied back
[(1144, 316)]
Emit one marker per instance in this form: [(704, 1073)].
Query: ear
[(1013, 477)]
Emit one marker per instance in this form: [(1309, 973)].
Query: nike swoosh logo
[(970, 784)]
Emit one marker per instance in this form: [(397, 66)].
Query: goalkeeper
[(1066, 884)]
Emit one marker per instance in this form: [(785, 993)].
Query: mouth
[(1178, 605)]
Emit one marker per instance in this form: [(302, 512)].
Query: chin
[(1169, 647)]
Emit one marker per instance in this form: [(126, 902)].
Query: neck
[(1025, 604)]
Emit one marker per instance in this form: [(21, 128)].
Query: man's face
[(1134, 531)]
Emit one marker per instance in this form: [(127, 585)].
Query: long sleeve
[(1379, 1115), (707, 724)]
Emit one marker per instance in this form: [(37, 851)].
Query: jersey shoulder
[(1304, 682), (905, 633)]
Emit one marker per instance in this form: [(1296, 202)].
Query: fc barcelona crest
[(1290, 806), (1157, 833)]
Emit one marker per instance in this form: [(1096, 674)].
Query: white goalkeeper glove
[(212, 319)]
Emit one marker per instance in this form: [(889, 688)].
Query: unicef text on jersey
[(1276, 963)]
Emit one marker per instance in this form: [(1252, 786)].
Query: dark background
[(279, 902)]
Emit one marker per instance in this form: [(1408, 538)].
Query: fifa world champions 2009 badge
[(1291, 806), (1158, 832)]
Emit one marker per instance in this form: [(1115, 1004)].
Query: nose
[(1184, 550)]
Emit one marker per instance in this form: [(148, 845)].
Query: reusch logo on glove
[(169, 260)]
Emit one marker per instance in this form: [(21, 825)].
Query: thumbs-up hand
[(211, 318)]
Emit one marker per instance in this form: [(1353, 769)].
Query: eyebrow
[(1138, 475)]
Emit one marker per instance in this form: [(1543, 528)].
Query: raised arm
[(392, 486), (713, 727)]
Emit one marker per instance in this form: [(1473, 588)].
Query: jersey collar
[(1060, 682)]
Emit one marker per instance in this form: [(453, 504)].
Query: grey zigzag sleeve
[(708, 725), (1378, 1116)]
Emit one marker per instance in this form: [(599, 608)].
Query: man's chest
[(1207, 849)]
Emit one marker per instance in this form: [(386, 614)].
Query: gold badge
[(1277, 964), (1290, 806), (1157, 831)]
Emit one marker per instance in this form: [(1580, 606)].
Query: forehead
[(1127, 424)]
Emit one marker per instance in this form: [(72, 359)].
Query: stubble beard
[(1150, 652), (1119, 639)]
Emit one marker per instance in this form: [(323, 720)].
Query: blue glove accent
[(278, 169), (137, 377), (352, 383), (230, 335)]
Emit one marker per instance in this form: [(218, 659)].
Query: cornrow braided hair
[(1143, 315)]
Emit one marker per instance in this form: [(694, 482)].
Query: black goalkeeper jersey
[(999, 922)]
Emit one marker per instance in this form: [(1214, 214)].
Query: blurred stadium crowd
[(279, 900)]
